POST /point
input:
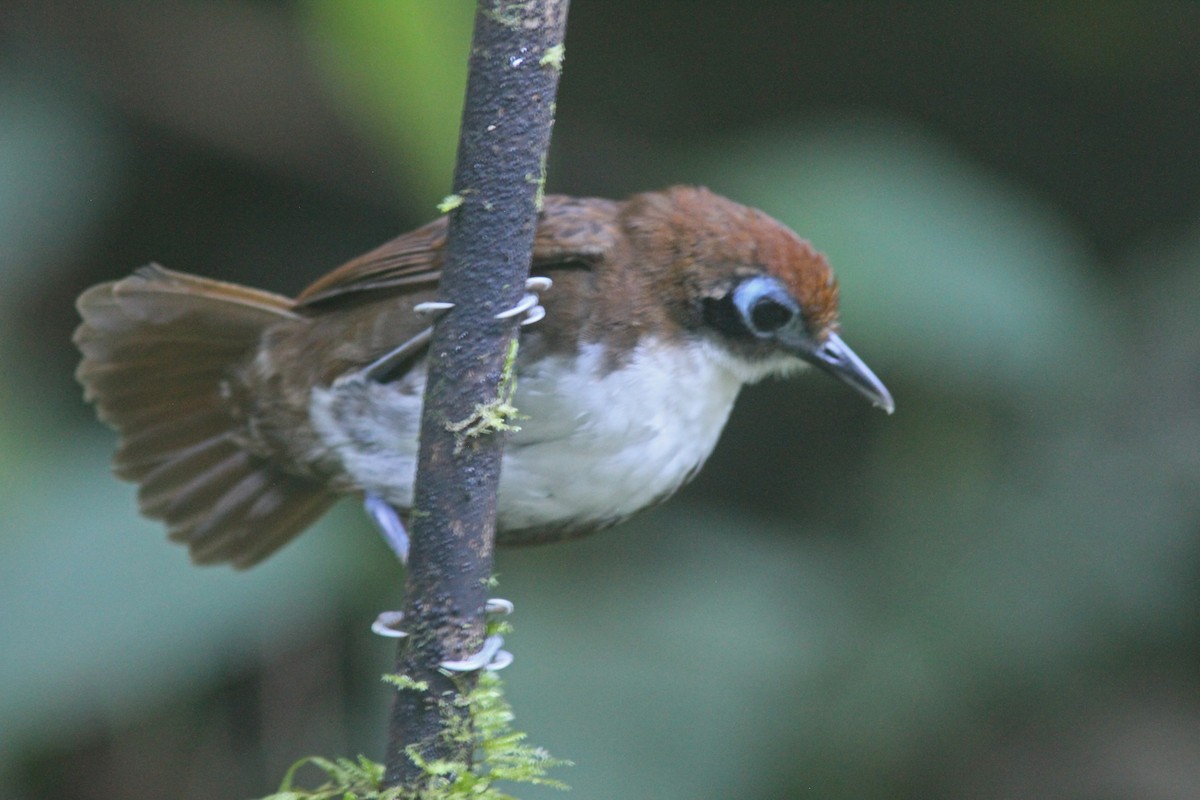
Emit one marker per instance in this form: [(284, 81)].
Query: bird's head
[(764, 297)]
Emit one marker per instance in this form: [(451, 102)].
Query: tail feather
[(146, 405), (277, 512), (248, 488), (191, 481), (144, 446), (157, 350)]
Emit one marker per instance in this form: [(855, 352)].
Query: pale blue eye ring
[(764, 305)]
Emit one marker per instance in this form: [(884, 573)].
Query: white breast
[(594, 445)]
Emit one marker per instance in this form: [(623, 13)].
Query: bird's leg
[(389, 523), (394, 363), (391, 526)]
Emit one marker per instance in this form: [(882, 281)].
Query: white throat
[(598, 446)]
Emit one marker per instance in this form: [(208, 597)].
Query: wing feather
[(570, 230)]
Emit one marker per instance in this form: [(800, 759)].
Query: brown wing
[(574, 229), (569, 230), (411, 260)]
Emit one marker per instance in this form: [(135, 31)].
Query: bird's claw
[(432, 308), (530, 304), (490, 657), (388, 624)]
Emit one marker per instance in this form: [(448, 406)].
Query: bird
[(244, 415)]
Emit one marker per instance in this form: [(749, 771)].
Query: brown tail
[(157, 348)]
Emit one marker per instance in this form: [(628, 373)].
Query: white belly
[(593, 447)]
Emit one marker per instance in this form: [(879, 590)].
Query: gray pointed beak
[(835, 357)]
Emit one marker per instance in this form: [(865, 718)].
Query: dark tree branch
[(511, 87)]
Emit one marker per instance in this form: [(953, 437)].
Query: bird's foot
[(530, 305), (490, 657)]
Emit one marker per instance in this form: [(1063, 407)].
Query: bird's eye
[(765, 305), (767, 315)]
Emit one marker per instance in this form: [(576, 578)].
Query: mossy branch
[(501, 754), (450, 734), (492, 218)]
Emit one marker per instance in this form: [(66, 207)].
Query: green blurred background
[(992, 594)]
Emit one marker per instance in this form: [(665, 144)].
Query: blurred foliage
[(399, 70), (991, 594)]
